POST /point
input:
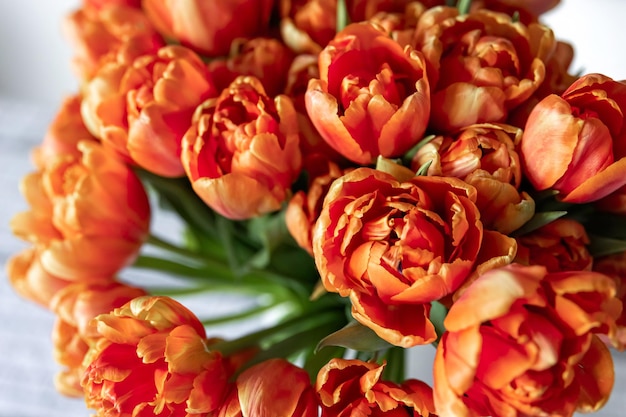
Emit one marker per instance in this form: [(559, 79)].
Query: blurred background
[(35, 75)]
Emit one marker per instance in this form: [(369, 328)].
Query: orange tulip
[(142, 109), (521, 342), (30, 280), (395, 246), (88, 216), (108, 33), (63, 134), (242, 152), (264, 58), (209, 28), (273, 388), (615, 267), (576, 143), (480, 65), (359, 10), (305, 206), (345, 386), (372, 98), (76, 305), (560, 245), (484, 156), (306, 26), (152, 357)]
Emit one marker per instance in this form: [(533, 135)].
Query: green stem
[(240, 316), (395, 368), (305, 321), (162, 244), (463, 6)]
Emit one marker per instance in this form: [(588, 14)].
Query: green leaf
[(603, 246), (538, 220), (355, 336), (607, 224), (438, 313), (408, 157)]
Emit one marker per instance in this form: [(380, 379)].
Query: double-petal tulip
[(209, 27), (560, 245), (143, 108), (576, 143), (273, 388), (356, 388), (373, 96), (484, 156), (306, 26), (76, 305), (305, 205), (152, 357), (267, 59), (521, 342), (615, 267), (481, 65), (63, 134), (242, 152), (88, 217), (109, 33), (395, 246)]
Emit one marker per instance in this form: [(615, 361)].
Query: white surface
[(34, 68)]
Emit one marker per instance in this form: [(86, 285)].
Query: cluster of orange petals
[(467, 117), (151, 356), (520, 342), (353, 387), (395, 246), (242, 152)]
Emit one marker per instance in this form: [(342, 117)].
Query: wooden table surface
[(26, 363)]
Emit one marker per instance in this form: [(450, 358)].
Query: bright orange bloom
[(373, 96), (576, 143), (76, 305), (353, 387), (30, 279), (305, 206), (615, 267), (88, 216), (480, 65), (306, 26), (152, 357), (209, 27), (521, 342), (264, 58), (63, 134), (242, 152), (395, 246), (560, 245), (273, 388), (112, 33), (484, 156), (143, 108)]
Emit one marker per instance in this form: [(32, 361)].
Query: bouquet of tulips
[(373, 174)]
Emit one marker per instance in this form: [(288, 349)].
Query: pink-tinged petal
[(275, 388), (462, 104), (550, 130), (328, 123), (447, 396), (478, 303)]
